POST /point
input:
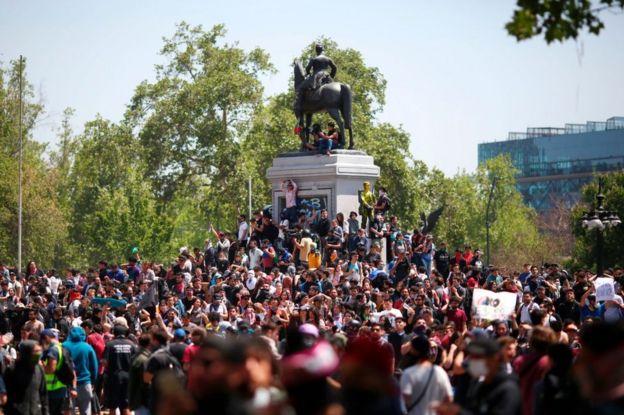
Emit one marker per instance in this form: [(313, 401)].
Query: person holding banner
[(590, 307)]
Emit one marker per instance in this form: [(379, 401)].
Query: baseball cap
[(483, 346), (179, 333), (50, 333), (309, 329)]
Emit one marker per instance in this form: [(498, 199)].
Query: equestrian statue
[(316, 91)]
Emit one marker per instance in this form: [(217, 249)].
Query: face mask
[(477, 368)]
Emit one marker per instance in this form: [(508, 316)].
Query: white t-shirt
[(525, 312), (54, 284), (251, 281), (242, 231), (283, 225), (255, 256), (414, 381), (613, 314)]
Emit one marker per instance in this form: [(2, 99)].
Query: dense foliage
[(181, 158), (559, 20), (585, 249)]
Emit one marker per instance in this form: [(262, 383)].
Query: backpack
[(388, 203), (65, 370)]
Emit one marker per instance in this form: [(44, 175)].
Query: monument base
[(324, 182)]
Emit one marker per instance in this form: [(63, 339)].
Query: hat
[(309, 329), (121, 321), (179, 334), (477, 333), (471, 282), (483, 347), (50, 333)]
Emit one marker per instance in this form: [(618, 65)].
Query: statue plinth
[(331, 182)]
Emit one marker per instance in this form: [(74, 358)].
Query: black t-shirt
[(118, 355), (442, 261), (322, 227), (270, 232), (371, 257), (402, 270), (188, 303), (210, 257), (333, 240)]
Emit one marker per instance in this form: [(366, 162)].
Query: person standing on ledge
[(367, 203), (289, 187)]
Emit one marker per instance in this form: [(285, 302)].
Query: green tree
[(43, 226), (190, 120), (514, 235), (585, 246), (558, 20), (112, 207)]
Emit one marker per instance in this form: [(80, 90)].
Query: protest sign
[(604, 289), (488, 305)]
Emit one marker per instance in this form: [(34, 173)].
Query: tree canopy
[(181, 159), (585, 248), (559, 20)]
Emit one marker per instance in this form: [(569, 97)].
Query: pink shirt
[(291, 195)]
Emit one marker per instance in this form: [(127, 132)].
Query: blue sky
[(455, 78)]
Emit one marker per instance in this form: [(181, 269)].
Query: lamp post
[(488, 220), (600, 219)]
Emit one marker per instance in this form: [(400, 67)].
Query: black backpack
[(65, 372), (388, 202)]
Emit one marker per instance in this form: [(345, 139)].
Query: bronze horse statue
[(333, 97)]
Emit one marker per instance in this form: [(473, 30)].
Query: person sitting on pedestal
[(322, 141), (334, 135)]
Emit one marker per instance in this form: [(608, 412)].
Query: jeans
[(83, 401), (325, 145), (141, 410), (292, 216)]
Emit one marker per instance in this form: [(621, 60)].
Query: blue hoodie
[(83, 355)]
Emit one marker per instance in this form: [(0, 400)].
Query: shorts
[(58, 405), (116, 391)]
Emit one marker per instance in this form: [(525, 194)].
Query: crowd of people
[(310, 315)]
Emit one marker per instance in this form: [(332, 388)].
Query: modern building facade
[(555, 163)]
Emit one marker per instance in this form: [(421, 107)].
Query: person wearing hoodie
[(86, 367), (25, 382)]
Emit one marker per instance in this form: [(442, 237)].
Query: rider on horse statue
[(319, 66)]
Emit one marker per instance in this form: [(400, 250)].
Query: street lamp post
[(488, 220), (600, 219)]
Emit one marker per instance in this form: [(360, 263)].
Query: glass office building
[(555, 163)]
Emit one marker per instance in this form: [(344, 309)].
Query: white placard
[(604, 289), (488, 305)]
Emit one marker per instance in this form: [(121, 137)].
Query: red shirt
[(530, 370), (96, 341), (458, 317)]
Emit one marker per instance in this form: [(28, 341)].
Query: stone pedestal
[(331, 182)]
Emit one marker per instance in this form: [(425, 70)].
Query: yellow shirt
[(314, 260), (306, 245)]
